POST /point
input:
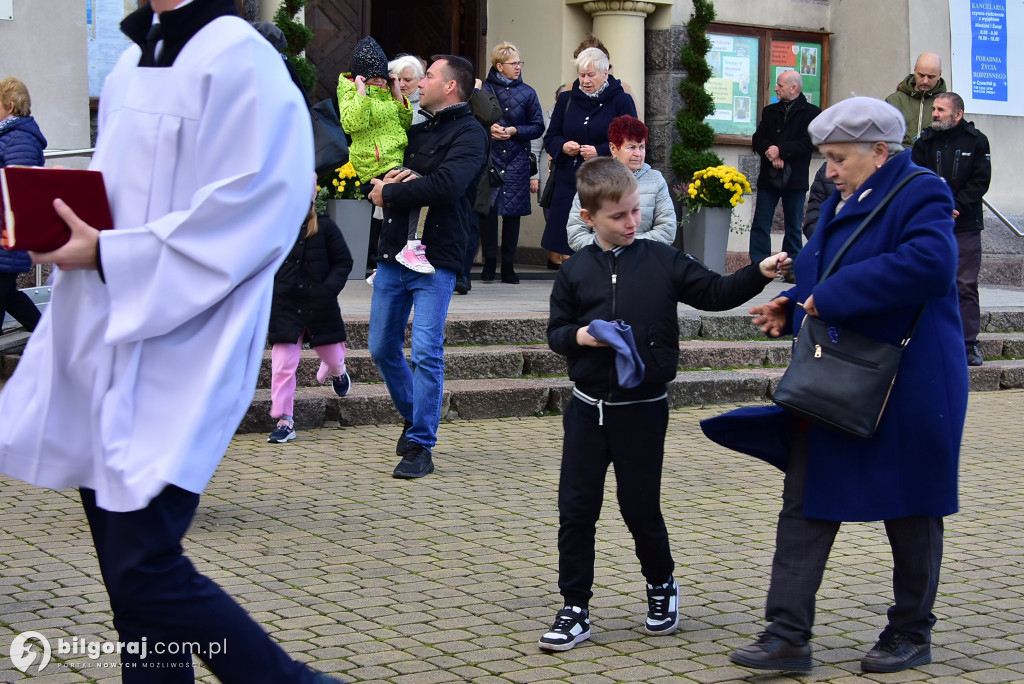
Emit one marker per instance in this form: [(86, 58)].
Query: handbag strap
[(864, 224), (860, 229)]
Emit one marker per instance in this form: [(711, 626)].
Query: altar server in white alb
[(146, 359)]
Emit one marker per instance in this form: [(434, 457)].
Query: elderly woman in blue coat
[(21, 144), (521, 121), (579, 131), (906, 475)]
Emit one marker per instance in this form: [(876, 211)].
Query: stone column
[(620, 26)]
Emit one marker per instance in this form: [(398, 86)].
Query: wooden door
[(417, 27)]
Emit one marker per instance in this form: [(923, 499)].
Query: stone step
[(369, 403), (515, 361), (531, 327)]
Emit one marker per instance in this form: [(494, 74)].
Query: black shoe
[(403, 440), (552, 266), (416, 462), (974, 357), (508, 275), (895, 652), (771, 652), (462, 285), (487, 275)]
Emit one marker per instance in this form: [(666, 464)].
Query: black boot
[(487, 275), (508, 274)]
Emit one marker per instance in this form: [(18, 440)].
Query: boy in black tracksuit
[(611, 420)]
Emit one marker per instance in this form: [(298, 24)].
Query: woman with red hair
[(627, 140)]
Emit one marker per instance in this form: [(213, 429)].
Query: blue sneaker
[(285, 432), (342, 384)]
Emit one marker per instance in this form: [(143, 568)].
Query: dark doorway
[(419, 27)]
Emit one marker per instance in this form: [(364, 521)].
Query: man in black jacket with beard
[(785, 149), (959, 152), (446, 155)]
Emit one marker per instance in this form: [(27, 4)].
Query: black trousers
[(509, 236), (632, 440), (967, 268), (17, 303), (802, 547), (157, 595)]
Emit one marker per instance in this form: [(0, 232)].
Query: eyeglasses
[(513, 64)]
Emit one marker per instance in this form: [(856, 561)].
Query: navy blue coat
[(906, 259), (21, 144), (520, 108), (584, 119)]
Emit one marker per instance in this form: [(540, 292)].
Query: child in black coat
[(613, 315), (305, 308)]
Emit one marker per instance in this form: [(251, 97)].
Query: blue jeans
[(761, 228), (416, 390)]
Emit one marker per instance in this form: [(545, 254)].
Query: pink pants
[(284, 360)]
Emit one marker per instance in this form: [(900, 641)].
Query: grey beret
[(858, 119)]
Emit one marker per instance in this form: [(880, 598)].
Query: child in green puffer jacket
[(376, 115)]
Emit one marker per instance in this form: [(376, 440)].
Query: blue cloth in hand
[(619, 336)]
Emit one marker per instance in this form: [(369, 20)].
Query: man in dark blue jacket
[(959, 152), (785, 149), (445, 158)]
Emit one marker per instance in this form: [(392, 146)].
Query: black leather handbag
[(548, 191), (328, 138), (838, 378)]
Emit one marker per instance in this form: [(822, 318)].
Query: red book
[(29, 218)]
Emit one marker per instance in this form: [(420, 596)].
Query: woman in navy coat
[(21, 144), (906, 475), (521, 121), (579, 131)]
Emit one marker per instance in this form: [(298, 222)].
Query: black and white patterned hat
[(369, 60)]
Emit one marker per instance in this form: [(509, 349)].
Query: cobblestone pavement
[(452, 578)]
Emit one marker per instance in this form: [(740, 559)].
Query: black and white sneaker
[(284, 432), (572, 625), (662, 608)]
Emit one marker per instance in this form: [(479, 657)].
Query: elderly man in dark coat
[(903, 265), (785, 149)]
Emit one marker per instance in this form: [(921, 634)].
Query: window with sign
[(745, 64)]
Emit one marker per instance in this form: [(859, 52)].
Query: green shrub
[(297, 37), (693, 153)]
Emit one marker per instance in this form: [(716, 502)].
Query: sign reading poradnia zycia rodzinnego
[(986, 72)]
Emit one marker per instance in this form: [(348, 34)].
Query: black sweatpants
[(632, 440)]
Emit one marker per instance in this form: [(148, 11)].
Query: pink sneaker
[(414, 256)]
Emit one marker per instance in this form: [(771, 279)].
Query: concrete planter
[(353, 218), (706, 236)]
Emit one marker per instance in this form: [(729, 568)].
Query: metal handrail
[(60, 154), (999, 215)]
